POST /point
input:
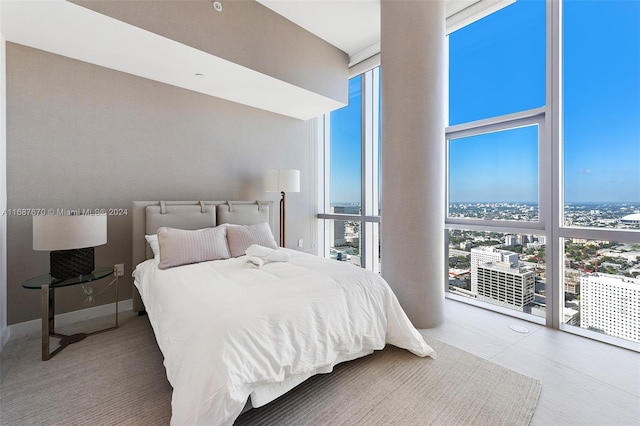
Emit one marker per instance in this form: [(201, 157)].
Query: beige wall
[(82, 136), (244, 32), (4, 335)]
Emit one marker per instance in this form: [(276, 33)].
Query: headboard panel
[(148, 216), (179, 216), (243, 213)]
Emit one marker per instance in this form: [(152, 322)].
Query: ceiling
[(67, 29), (64, 28), (352, 26)]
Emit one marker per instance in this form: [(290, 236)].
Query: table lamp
[(71, 240), (282, 180)]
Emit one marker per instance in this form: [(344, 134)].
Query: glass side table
[(47, 286)]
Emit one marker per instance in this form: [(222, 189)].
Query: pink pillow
[(240, 237), (181, 247)]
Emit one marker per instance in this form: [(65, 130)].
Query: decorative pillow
[(181, 247), (240, 237), (153, 243)]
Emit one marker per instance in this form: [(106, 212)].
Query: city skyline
[(623, 205), (601, 279), (601, 105)]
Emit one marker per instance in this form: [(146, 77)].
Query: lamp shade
[(69, 232), (282, 180)]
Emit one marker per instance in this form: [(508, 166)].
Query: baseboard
[(22, 328)]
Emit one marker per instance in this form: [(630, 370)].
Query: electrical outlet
[(120, 269), (300, 243)]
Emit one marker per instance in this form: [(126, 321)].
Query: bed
[(235, 336)]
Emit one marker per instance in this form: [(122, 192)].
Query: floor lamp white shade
[(283, 181)]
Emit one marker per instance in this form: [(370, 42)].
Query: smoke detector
[(217, 6)]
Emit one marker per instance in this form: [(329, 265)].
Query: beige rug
[(117, 378), (395, 387), (111, 378)]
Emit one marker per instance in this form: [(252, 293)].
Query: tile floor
[(584, 382)]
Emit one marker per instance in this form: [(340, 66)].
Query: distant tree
[(489, 243), (463, 262)]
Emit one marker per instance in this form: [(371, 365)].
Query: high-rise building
[(498, 278), (482, 255), (337, 229), (510, 240), (506, 285), (610, 304)]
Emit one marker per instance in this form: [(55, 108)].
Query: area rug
[(394, 387), (117, 378)]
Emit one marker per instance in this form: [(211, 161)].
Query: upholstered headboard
[(148, 216)]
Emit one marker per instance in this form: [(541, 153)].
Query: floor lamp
[(283, 181)]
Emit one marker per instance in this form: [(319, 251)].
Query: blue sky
[(602, 100), (346, 129), (497, 66)]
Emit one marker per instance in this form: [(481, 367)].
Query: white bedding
[(227, 330)]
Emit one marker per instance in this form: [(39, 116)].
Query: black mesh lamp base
[(71, 263)]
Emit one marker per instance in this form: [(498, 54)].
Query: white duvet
[(227, 330)]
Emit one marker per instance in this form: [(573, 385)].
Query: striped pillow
[(240, 237), (181, 247)]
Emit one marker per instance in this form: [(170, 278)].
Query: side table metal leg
[(47, 319), (116, 299)]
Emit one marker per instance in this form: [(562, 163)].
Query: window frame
[(534, 116), (369, 215), (551, 193)]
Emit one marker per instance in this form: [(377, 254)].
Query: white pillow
[(153, 243), (181, 247), (241, 237)]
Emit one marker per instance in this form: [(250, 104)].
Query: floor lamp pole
[(282, 216)]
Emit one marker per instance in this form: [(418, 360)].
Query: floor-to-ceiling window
[(543, 165), (599, 151), (350, 212), (497, 155)]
